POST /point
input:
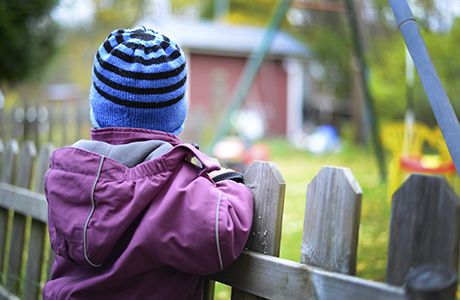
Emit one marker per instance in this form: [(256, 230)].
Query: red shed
[(216, 55)]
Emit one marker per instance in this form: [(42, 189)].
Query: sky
[(448, 8), (70, 13)]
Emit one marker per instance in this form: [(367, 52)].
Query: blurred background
[(310, 76), (333, 75)]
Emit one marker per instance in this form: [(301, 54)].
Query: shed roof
[(224, 39)]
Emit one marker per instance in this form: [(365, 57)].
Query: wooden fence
[(422, 254), (61, 123)]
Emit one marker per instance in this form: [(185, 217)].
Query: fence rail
[(422, 254)]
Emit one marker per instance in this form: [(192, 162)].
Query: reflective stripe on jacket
[(143, 232)]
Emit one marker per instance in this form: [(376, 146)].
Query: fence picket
[(7, 175), (424, 207), (43, 161), (424, 226), (26, 160), (38, 233), (9, 161), (23, 179), (2, 150), (331, 225), (34, 260), (268, 187)]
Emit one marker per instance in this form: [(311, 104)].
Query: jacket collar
[(125, 135)]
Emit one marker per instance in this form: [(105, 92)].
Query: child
[(130, 217)]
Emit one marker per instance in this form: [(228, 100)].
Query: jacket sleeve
[(200, 227), (234, 220)]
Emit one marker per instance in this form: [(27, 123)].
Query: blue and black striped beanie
[(139, 80)]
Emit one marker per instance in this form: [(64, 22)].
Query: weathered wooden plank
[(38, 232), (268, 187), (424, 226), (15, 255), (2, 149), (276, 278), (51, 259), (331, 225), (9, 161), (431, 282), (24, 201), (43, 161), (7, 295), (6, 175), (4, 215), (26, 161), (32, 287), (209, 287), (23, 179)]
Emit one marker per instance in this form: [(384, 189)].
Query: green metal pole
[(249, 73), (370, 110)]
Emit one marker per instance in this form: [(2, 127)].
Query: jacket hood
[(98, 190), (129, 155)]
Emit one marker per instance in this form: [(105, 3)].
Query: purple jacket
[(130, 217)]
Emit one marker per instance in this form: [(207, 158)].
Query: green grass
[(298, 169)]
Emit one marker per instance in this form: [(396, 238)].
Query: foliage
[(387, 76), (443, 48), (187, 7), (28, 37), (388, 82), (80, 43), (116, 14), (387, 60), (328, 35), (255, 13), (331, 46)]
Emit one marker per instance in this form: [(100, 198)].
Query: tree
[(28, 35)]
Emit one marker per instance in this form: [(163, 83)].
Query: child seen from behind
[(130, 216)]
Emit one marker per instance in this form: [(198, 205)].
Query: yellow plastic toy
[(406, 141)]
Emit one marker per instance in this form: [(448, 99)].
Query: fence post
[(424, 226), (331, 225), (431, 282)]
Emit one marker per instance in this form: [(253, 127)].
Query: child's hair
[(139, 80)]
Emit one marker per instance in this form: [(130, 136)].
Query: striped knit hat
[(139, 80)]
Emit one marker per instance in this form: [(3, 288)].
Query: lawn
[(299, 168)]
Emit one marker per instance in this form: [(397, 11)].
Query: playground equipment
[(232, 152), (441, 106), (256, 58), (407, 142), (437, 96)]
